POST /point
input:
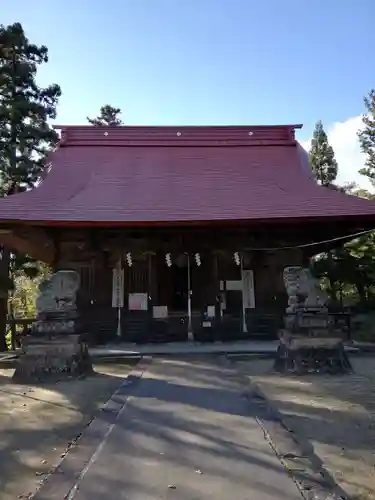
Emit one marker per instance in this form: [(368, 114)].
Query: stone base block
[(297, 354), (58, 358)]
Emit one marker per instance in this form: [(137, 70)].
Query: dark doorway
[(234, 302), (179, 288)]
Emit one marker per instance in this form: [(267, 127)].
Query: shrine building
[(180, 232)]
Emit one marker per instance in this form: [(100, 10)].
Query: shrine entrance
[(179, 300)]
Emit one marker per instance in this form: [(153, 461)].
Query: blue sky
[(206, 61)]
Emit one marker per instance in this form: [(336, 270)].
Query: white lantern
[(197, 259), (237, 258), (168, 259), (129, 259)]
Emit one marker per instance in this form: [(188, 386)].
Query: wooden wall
[(94, 255)]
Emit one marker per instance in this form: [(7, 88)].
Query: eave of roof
[(128, 176)]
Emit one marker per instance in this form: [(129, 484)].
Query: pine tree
[(108, 117), (25, 134), (322, 157), (367, 137)]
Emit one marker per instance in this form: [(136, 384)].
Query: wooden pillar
[(215, 276), (216, 286), (155, 279), (162, 281), (152, 277), (57, 251)]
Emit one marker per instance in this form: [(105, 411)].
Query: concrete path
[(187, 432)]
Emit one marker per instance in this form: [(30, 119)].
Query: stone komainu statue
[(55, 349), (306, 344), (56, 302), (303, 290)]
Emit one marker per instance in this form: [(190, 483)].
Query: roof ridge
[(254, 135)]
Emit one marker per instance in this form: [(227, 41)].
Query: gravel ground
[(335, 413), (37, 423)]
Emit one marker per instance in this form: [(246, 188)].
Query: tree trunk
[(3, 319), (361, 292), (331, 278), (333, 290), (4, 288)]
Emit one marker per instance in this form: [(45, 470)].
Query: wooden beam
[(31, 241)]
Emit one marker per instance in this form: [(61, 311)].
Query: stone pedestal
[(298, 354), (56, 349), (307, 344), (51, 359)]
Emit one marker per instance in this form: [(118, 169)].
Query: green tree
[(351, 267), (333, 268), (108, 117), (26, 137), (22, 300), (322, 157), (367, 137), (25, 108)]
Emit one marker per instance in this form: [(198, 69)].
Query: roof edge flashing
[(178, 136)]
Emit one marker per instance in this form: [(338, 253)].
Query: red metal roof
[(179, 175)]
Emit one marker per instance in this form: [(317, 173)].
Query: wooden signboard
[(138, 301), (118, 287)]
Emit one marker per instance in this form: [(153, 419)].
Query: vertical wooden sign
[(248, 289), (118, 286)]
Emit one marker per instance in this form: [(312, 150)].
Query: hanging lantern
[(197, 259), (129, 259), (237, 258), (168, 259)]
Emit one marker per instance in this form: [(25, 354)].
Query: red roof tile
[(186, 174)]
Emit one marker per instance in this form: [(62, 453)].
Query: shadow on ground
[(37, 423), (190, 428), (335, 413)]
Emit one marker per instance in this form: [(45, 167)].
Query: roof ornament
[(178, 134), (168, 259), (129, 260), (105, 133), (251, 133), (237, 258)]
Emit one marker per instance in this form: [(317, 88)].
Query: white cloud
[(343, 138)]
